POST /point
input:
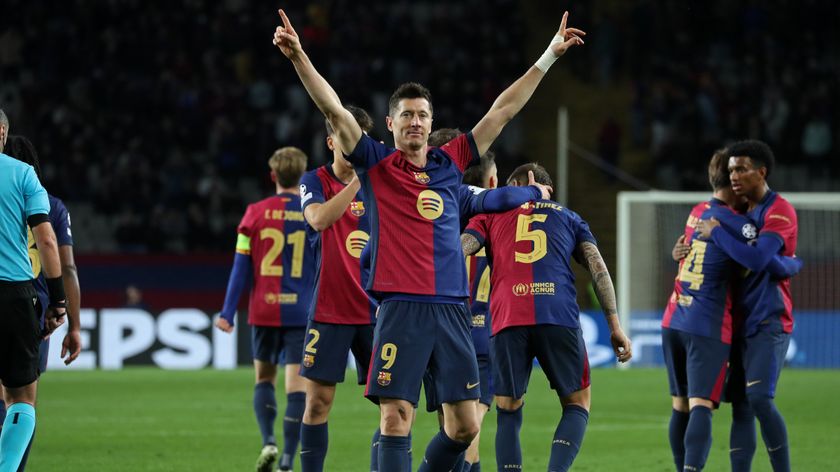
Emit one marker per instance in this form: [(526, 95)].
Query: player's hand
[(71, 346), (681, 249), (545, 190), (286, 39), (705, 227), (571, 37), (54, 318), (621, 345), (223, 325)]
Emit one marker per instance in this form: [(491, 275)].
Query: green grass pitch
[(143, 419)]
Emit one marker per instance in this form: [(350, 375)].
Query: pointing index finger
[(563, 22), (286, 23)]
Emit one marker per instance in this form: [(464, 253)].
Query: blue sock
[(374, 451), (773, 430), (676, 435), (395, 453), (698, 438), (295, 404), (18, 428), (475, 467), (742, 437), (568, 438), (265, 408), (508, 450), (314, 440), (442, 453)]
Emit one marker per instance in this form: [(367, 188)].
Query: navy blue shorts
[(757, 361), (277, 345), (560, 351), (43, 355), (485, 377), (696, 364), (413, 336), (326, 349)]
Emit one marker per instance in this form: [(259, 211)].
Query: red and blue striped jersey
[(763, 296), (701, 302), (414, 220), (273, 233), (339, 297), (529, 249), (478, 275)]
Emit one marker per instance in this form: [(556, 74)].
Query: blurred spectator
[(134, 298)]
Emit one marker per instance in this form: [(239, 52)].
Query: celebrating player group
[(367, 255)]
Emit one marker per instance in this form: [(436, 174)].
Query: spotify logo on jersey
[(356, 242), (429, 205)]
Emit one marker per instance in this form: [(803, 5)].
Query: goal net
[(649, 224)]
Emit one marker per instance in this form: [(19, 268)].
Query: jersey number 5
[(270, 265), (537, 236)]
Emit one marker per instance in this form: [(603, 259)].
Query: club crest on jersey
[(422, 177), (749, 231), (356, 242), (429, 205), (520, 289), (357, 208), (308, 360), (384, 378)]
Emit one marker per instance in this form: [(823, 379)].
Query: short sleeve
[(60, 219), (462, 150), (311, 189), (368, 152), (478, 227), (246, 225), (582, 231), (36, 201), (780, 219)]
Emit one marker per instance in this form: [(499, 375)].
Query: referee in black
[(23, 201)]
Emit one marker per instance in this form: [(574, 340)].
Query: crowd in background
[(704, 73), (162, 115)]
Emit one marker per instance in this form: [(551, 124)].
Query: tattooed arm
[(588, 255), (469, 244)]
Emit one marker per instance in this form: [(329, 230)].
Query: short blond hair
[(288, 164)]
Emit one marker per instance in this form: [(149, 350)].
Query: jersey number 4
[(270, 265), (692, 267), (537, 236)]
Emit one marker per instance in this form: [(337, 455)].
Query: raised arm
[(347, 131), (509, 102), (590, 257)]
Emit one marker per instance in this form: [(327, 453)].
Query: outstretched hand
[(568, 37), (286, 38), (545, 190)]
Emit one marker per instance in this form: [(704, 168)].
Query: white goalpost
[(648, 226)]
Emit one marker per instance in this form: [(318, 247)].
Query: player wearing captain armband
[(698, 323), (273, 254)]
